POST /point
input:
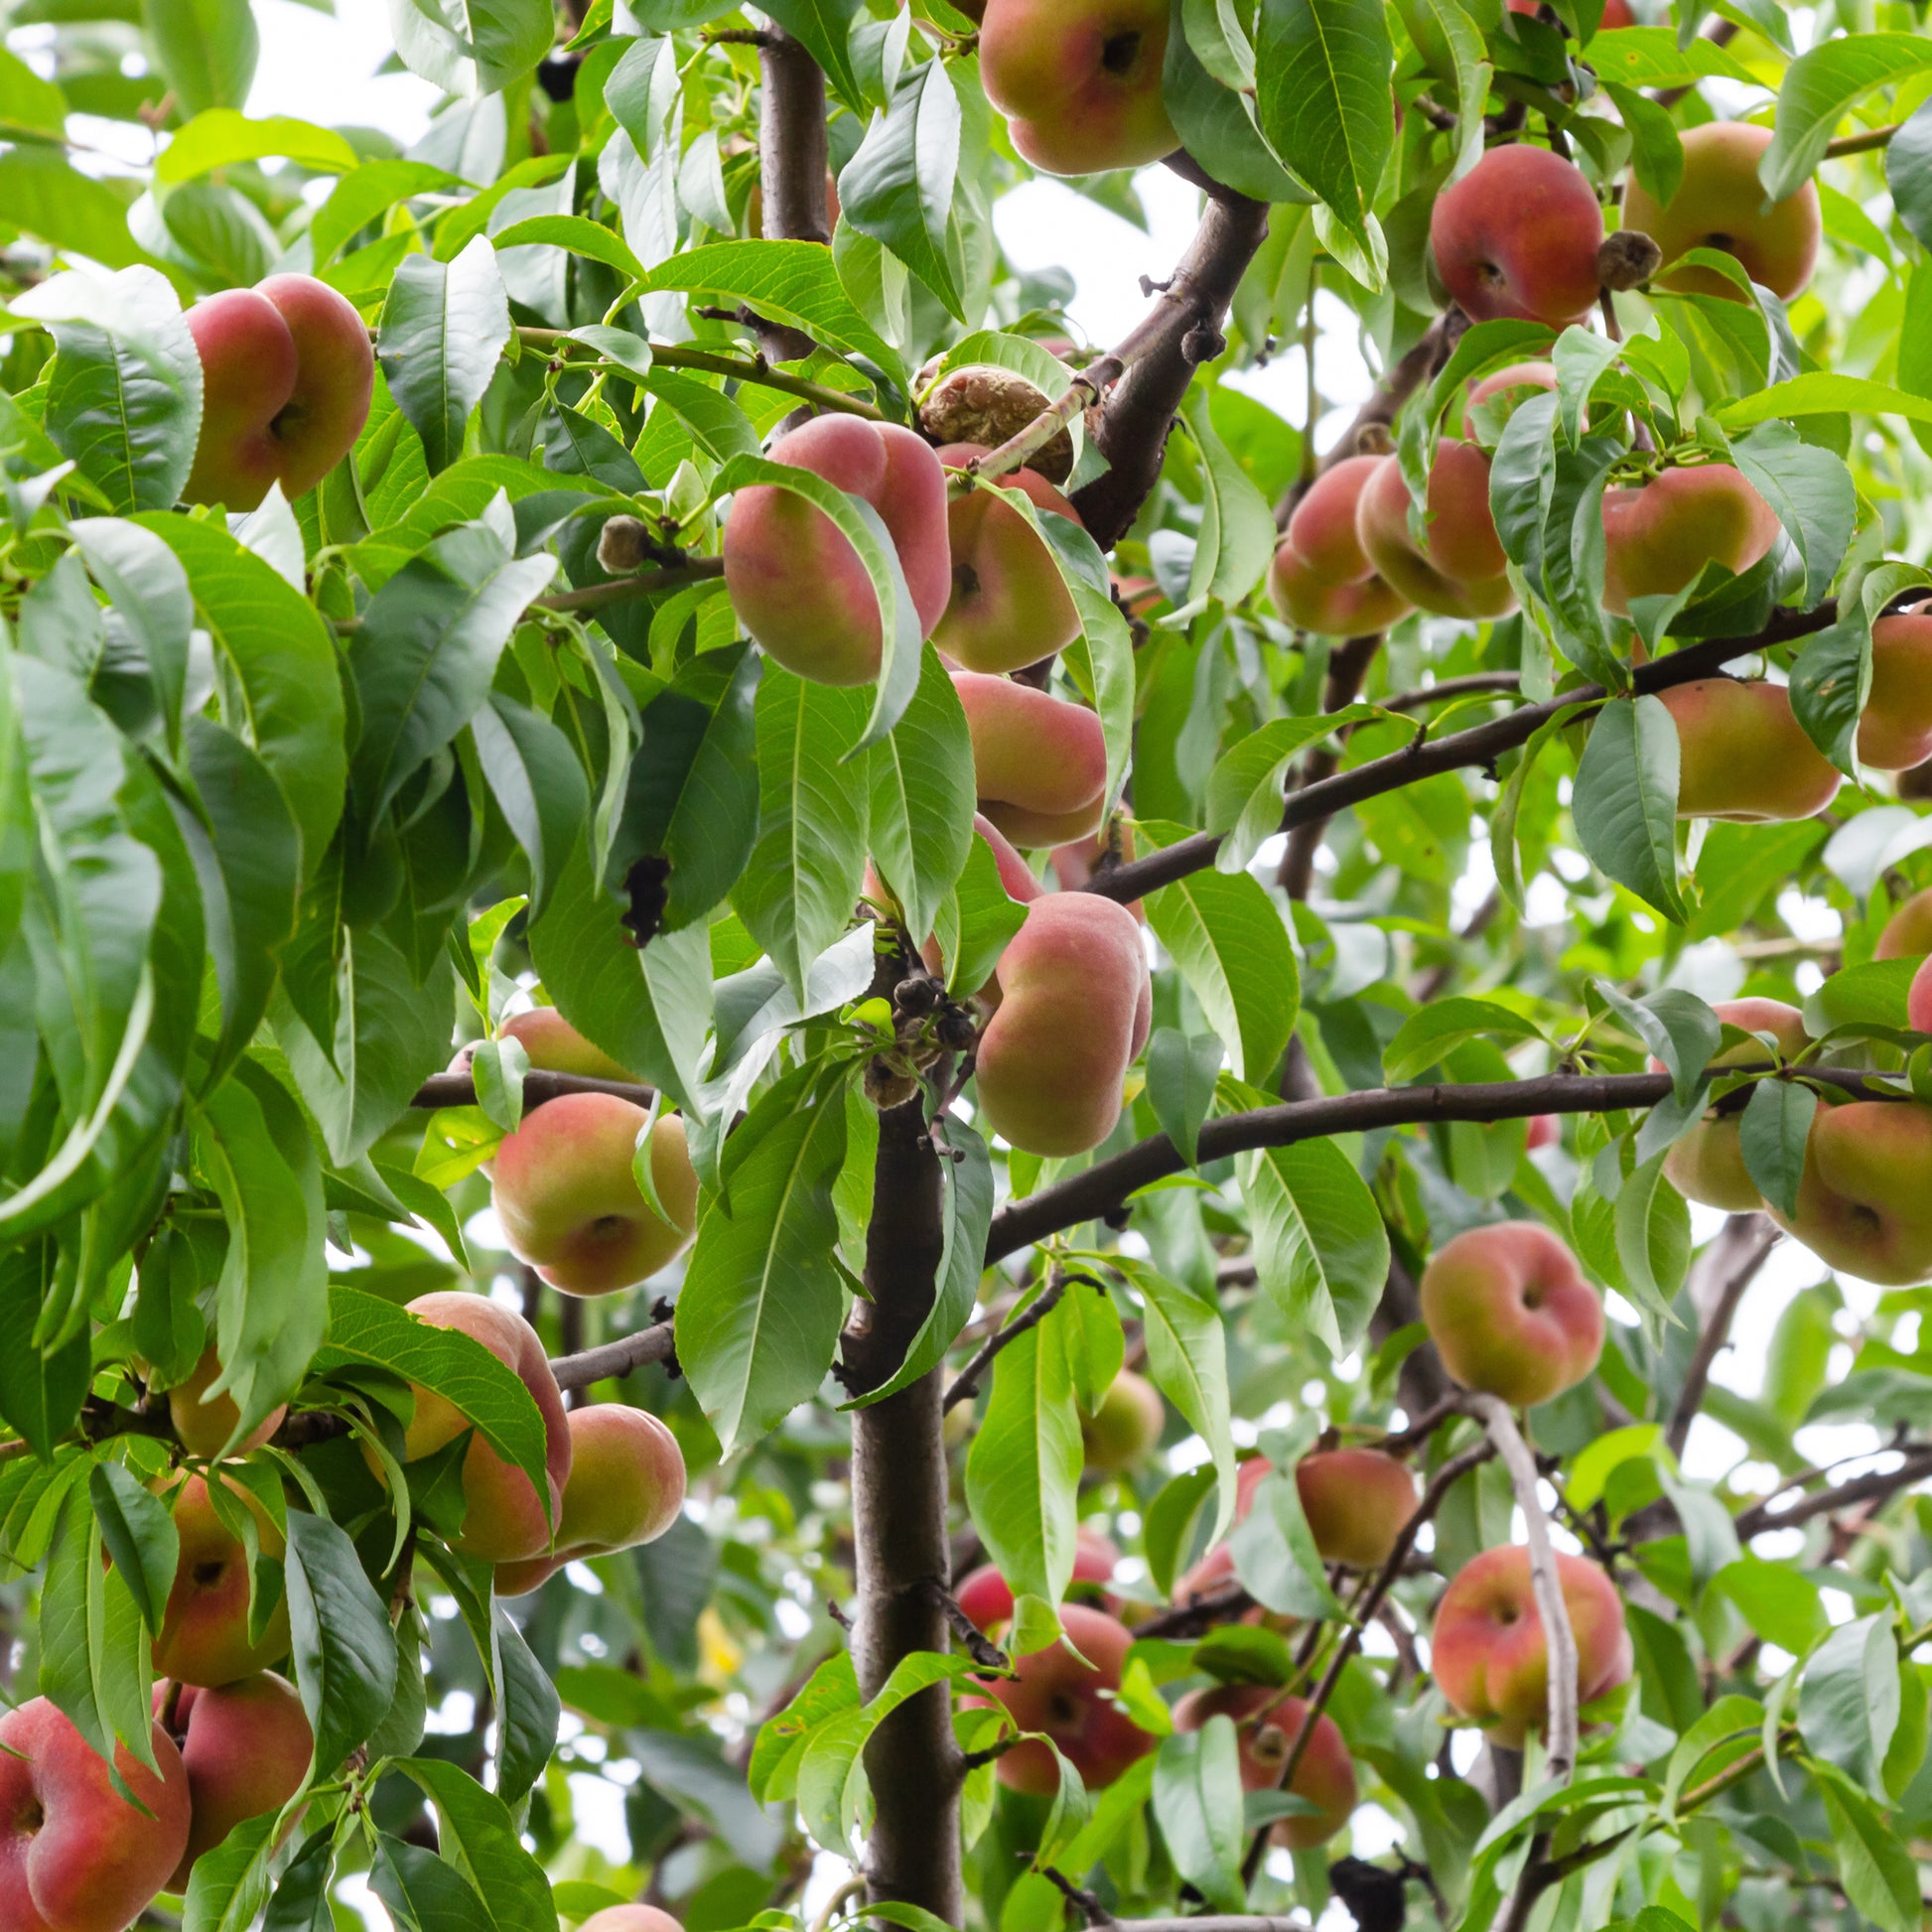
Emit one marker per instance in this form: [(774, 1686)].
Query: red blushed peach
[(1074, 1010), (799, 586), (1039, 764), (1658, 536), (1488, 1652), (204, 1422), (1742, 755), (1519, 379), (1719, 203), (205, 1627), (987, 1598), (625, 1489), (1517, 237), (1310, 603), (556, 1046), (1458, 570), (247, 1749), (287, 374), (1918, 999), (570, 1203), (1616, 12), (504, 1517), (630, 1918), (1895, 732), (1010, 605), (1545, 1129), (1126, 1426), (1079, 80), (1908, 934), (1510, 1314), (1708, 1164), (1053, 1692), (1862, 1204), (75, 1855), (1323, 528), (1267, 1724), (1357, 1502), (1216, 1571)]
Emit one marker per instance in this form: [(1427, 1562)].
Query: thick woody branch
[(1090, 1195), (460, 1090), (614, 1359), (792, 155), (1182, 330), (1478, 748), (1734, 1258)]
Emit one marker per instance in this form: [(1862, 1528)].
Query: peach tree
[(821, 1108)]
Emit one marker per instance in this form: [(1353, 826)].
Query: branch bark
[(1348, 672), (1735, 1257), (614, 1359), (792, 154)]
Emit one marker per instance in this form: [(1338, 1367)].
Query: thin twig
[(1743, 1246), (738, 368), (621, 590), (966, 1384)]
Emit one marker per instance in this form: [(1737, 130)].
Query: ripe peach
[(1310, 603), (1267, 1724), (1458, 572), (1616, 12), (987, 1598), (625, 1488), (799, 586), (1075, 1012), (630, 1918), (1489, 1655), (1659, 535), (287, 374), (1126, 1426), (1040, 762), (75, 1855), (1720, 203), (1708, 1164), (1518, 379), (1010, 605), (504, 1517), (1357, 1502), (205, 1627), (556, 1046), (1895, 732), (1862, 1204), (1323, 528), (1079, 82), (571, 1205), (1908, 934), (1544, 1131), (1216, 1571), (1510, 1314), (203, 1423), (1053, 1692), (246, 1748), (1517, 236), (1743, 755)]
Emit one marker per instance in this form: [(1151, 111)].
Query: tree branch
[(738, 368), (1880, 1487), (645, 582), (460, 1090), (1478, 746), (1736, 1255), (615, 1359), (966, 1384), (792, 153), (1348, 672)]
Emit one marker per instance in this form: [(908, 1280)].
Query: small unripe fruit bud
[(1627, 259), (886, 1086), (956, 1030), (1374, 439), (986, 406), (624, 545), (916, 996)]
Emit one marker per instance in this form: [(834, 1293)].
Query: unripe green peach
[(1895, 729), (1267, 1724), (204, 1422), (246, 1748), (1126, 1426), (1510, 1314), (204, 1635), (1862, 1204), (75, 1855), (1659, 535), (1708, 1164), (1010, 605), (1079, 82), (1517, 236), (1357, 1502), (1908, 934), (1743, 755), (625, 1488), (1489, 1655), (1039, 764), (504, 1517), (1075, 1012), (1720, 203), (569, 1204), (799, 586), (287, 374), (1458, 570)]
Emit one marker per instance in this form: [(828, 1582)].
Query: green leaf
[(757, 1320), (1653, 1243), (427, 651), (1780, 1603), (424, 1893), (148, 588), (1214, 114), (1625, 803), (1908, 174), (1182, 1069), (28, 103), (1275, 1555), (78, 214), (922, 797), (230, 1882), (1830, 684), (1880, 1874), (975, 921), (1323, 102), (1186, 1355), (1818, 394), (1772, 1137), (538, 785), (1812, 493), (1227, 938), (344, 1652), (443, 328), (1245, 788), (478, 1835), (41, 1389), (1819, 85), (825, 27), (1023, 1467), (140, 1536), (1848, 1700), (300, 1900), (898, 186), (207, 50), (1426, 1036), (220, 137), (1236, 540), (1197, 1804)]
